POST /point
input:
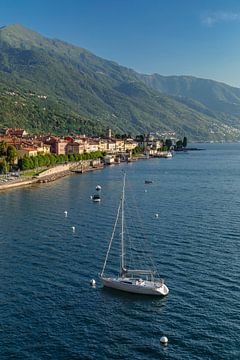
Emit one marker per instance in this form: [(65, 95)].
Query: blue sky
[(169, 37)]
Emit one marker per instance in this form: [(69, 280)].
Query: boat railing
[(158, 282)]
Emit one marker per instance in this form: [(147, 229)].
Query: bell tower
[(109, 133)]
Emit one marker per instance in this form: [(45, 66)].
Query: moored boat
[(138, 281), (96, 198)]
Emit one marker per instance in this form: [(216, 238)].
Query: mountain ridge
[(216, 95), (96, 91)]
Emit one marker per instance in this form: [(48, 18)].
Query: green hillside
[(63, 88)]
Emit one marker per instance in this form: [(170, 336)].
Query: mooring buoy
[(93, 282), (164, 340)]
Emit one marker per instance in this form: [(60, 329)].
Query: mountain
[(49, 85), (215, 95)]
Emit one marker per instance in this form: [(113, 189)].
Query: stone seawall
[(55, 170), (54, 173)]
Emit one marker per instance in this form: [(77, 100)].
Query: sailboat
[(131, 280)]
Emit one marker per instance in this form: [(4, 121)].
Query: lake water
[(48, 310)]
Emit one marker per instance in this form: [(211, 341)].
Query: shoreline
[(55, 174), (59, 171)]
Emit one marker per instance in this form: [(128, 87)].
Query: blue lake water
[(48, 310)]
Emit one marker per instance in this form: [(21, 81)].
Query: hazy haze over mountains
[(87, 93)]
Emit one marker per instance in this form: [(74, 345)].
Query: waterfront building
[(103, 145), (59, 147), (75, 148), (111, 145), (130, 144), (120, 145), (92, 145), (41, 147), (27, 151)]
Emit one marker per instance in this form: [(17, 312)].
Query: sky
[(169, 37)]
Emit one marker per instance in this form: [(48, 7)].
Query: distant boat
[(96, 198), (131, 280), (98, 187), (168, 155), (148, 181)]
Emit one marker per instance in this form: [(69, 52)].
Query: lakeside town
[(41, 158)]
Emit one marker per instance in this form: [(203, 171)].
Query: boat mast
[(111, 240), (122, 263)]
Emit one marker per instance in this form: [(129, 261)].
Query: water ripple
[(48, 308)]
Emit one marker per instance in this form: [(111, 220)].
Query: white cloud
[(219, 16)]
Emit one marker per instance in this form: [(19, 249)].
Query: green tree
[(140, 138), (71, 157), (11, 154), (24, 163), (3, 148), (184, 143), (179, 144), (4, 167), (137, 150), (168, 143)]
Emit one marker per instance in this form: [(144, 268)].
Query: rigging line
[(141, 227), (111, 240), (139, 258), (129, 241), (122, 225), (136, 259)]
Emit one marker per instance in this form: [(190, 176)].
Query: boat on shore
[(138, 281)]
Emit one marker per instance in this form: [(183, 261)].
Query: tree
[(168, 143), (4, 167), (71, 157), (24, 163), (137, 150), (140, 138), (184, 143), (11, 154), (3, 148), (179, 144)]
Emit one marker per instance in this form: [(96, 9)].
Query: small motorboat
[(148, 181), (98, 187), (96, 198)]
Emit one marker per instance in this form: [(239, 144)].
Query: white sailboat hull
[(133, 286)]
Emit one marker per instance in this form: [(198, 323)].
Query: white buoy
[(73, 229), (93, 282), (66, 213), (164, 340), (145, 190), (156, 215), (91, 197)]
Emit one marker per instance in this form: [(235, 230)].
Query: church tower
[(109, 133)]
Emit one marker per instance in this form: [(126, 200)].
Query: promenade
[(51, 174)]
